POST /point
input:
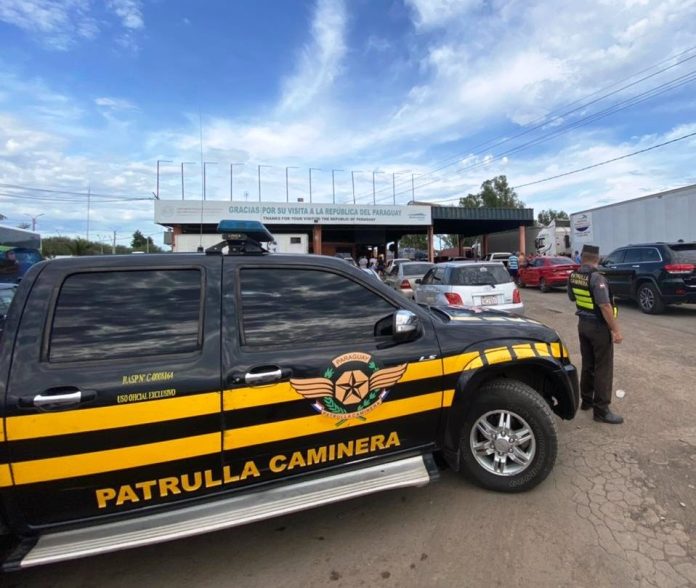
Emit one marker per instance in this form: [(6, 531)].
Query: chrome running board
[(228, 512)]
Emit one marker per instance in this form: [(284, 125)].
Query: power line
[(69, 192), (618, 107), (601, 163), (558, 115)]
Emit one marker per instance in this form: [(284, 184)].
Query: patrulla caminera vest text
[(579, 282)]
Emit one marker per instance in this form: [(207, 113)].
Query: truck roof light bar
[(241, 238)]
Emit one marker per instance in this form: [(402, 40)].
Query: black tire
[(649, 299), (543, 286), (524, 402)]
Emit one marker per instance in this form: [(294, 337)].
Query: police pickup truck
[(147, 398)]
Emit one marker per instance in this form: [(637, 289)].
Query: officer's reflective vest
[(579, 283)]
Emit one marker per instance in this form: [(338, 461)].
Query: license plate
[(489, 300)]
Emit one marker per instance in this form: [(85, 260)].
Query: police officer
[(598, 330)]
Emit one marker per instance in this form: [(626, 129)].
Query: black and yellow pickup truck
[(152, 397)]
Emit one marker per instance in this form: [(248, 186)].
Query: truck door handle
[(58, 398), (270, 375)]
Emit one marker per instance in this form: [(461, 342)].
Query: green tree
[(494, 193), (142, 243), (81, 247), (546, 216), (414, 241)]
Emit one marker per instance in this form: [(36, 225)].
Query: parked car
[(546, 272), (403, 277), (393, 263), (469, 284), (501, 256), (653, 274), (346, 257)]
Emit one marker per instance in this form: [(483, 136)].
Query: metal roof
[(479, 221)]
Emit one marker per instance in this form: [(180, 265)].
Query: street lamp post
[(310, 180), (406, 171), (333, 183), (183, 163), (374, 199), (259, 171), (33, 220), (287, 189), (158, 172), (352, 178), (232, 178), (413, 188), (206, 163)]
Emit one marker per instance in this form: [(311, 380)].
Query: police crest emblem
[(353, 385)]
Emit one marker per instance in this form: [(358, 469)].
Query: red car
[(546, 272)]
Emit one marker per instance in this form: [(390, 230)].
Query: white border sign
[(172, 212)]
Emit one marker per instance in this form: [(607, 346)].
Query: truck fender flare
[(546, 372)]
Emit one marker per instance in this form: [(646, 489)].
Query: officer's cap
[(591, 249)]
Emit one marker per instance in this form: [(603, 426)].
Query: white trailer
[(666, 216), (554, 239)]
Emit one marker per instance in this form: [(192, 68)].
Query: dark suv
[(653, 274)]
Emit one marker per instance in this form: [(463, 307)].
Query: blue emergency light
[(254, 230)]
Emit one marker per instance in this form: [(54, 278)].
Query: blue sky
[(95, 92)]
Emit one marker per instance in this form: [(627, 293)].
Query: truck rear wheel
[(508, 441)]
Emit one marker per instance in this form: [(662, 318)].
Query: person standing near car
[(598, 330), (513, 265)]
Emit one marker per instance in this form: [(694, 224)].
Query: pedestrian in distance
[(362, 262), (576, 257), (513, 265), (598, 330)]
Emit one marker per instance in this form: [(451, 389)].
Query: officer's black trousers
[(597, 373)]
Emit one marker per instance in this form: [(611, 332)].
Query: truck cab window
[(127, 314), (287, 307)]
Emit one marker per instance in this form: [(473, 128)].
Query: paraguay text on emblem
[(352, 385)]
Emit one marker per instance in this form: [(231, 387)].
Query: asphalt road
[(619, 509)]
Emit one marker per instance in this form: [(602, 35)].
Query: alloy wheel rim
[(502, 443), (647, 299)]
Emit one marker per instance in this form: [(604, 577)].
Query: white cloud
[(61, 24), (58, 23), (114, 103), (437, 13), (320, 60), (129, 11)]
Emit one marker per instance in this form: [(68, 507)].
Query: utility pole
[(113, 245), (333, 183), (310, 181), (205, 164), (287, 189), (259, 170), (183, 163), (33, 220), (89, 204), (158, 172), (394, 181), (413, 189), (352, 177), (374, 199), (232, 178)]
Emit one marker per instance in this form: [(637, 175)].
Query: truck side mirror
[(419, 281), (406, 326)]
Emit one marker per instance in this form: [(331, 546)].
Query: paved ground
[(618, 510)]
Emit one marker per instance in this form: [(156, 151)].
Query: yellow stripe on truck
[(110, 460), (312, 425), (5, 475), (83, 420)]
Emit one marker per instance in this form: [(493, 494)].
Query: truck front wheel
[(508, 440)]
